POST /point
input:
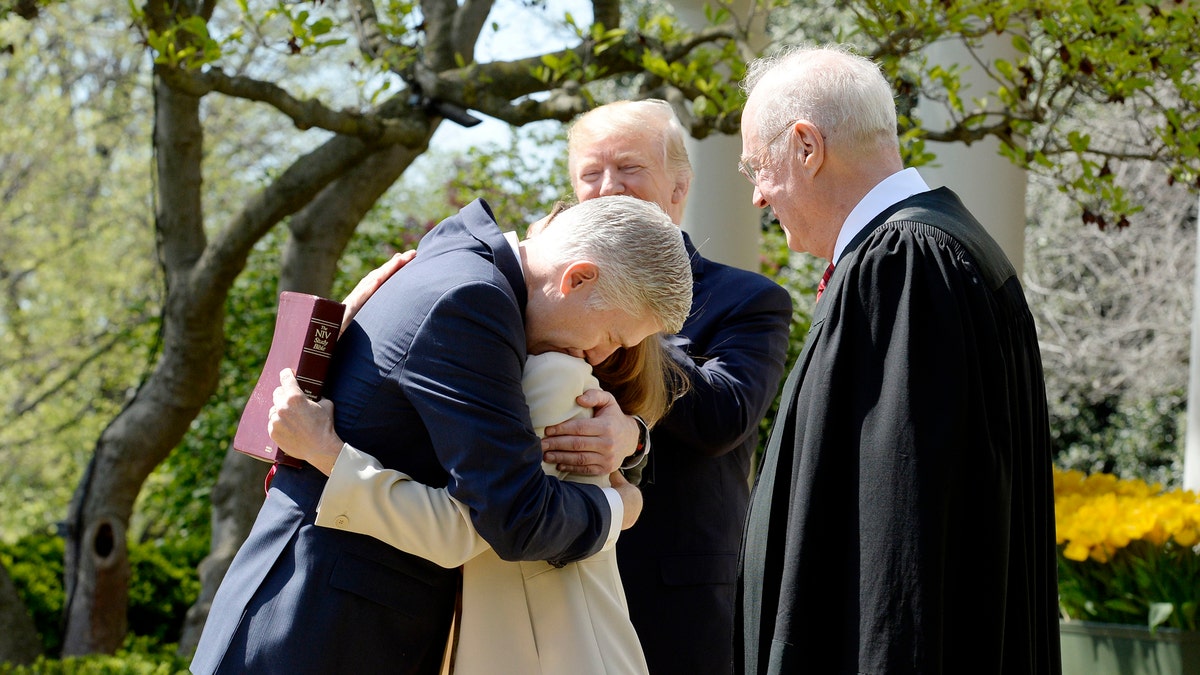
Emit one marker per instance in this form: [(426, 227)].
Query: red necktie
[(824, 280)]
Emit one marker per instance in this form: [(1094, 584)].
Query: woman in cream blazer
[(518, 618)]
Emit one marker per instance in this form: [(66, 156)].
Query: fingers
[(582, 463), (600, 401), (591, 447), (569, 437), (304, 428), (537, 227), (287, 390), (376, 277), (292, 407), (401, 259), (288, 378)]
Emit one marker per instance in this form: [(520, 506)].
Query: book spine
[(306, 333), (313, 364), (318, 348)]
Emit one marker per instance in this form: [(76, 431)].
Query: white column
[(722, 221), (991, 186), (1191, 453)]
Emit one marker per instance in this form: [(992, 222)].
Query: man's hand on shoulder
[(593, 446)]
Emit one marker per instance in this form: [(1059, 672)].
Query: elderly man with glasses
[(903, 519)]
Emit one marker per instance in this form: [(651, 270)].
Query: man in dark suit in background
[(679, 563), (903, 520), (427, 378)]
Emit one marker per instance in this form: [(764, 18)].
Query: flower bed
[(1127, 551)]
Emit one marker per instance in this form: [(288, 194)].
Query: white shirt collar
[(514, 242), (891, 190)]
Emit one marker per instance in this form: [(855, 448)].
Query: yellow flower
[(1076, 551), (1100, 514), (1122, 545)]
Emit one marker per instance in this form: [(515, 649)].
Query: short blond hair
[(644, 267), (643, 379)]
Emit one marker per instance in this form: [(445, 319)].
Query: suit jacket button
[(341, 521)]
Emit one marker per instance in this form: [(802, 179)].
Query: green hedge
[(163, 585)]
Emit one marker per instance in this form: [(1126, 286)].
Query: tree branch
[(381, 129), (371, 41), (468, 23), (439, 33), (473, 86), (607, 13)]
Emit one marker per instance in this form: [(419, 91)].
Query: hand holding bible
[(303, 428)]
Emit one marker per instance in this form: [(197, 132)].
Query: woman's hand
[(630, 496)]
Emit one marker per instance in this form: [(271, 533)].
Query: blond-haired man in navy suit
[(427, 378)]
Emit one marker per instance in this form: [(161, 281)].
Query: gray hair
[(626, 117), (843, 94), (644, 268)]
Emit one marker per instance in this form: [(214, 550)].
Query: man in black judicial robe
[(903, 519)]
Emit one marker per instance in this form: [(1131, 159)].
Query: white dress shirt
[(891, 190)]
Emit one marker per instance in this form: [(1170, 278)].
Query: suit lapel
[(693, 256)]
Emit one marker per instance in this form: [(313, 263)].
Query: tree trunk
[(97, 562), (141, 436), (320, 233)]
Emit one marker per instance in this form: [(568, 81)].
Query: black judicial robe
[(903, 519)]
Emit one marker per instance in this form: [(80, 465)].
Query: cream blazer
[(518, 618)]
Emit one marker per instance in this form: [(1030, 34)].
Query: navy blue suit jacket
[(428, 380), (679, 562)]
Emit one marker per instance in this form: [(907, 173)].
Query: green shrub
[(125, 662), (162, 586), (35, 563), (1122, 435)]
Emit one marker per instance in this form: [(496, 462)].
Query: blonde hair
[(643, 380)]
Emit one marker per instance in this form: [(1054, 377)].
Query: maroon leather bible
[(306, 331)]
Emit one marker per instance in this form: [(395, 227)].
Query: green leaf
[(1078, 141), (322, 26), (1123, 605)]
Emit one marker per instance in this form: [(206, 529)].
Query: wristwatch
[(643, 445)]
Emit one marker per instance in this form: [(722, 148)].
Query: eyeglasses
[(747, 166)]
